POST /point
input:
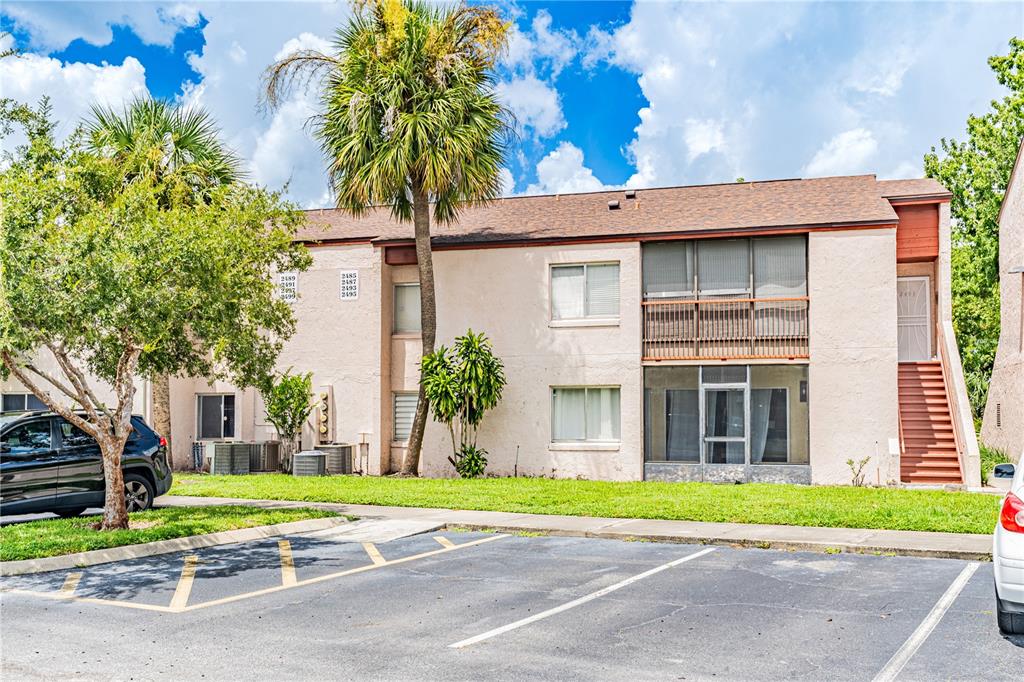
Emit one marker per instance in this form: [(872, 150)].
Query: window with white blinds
[(407, 308), (780, 266), (349, 285), (726, 268), (668, 270), (405, 411), (585, 414), (288, 286), (586, 291)]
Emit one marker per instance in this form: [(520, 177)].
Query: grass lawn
[(792, 505), (52, 537)]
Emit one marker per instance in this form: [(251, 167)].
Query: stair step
[(930, 464), (931, 476)]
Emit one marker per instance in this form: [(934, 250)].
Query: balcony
[(721, 329)]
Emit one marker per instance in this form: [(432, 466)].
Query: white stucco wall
[(338, 341), (854, 403), (1006, 390), (505, 293), (104, 391)]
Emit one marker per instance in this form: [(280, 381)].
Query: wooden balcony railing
[(740, 328)]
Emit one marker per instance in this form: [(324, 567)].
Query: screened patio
[(725, 299)]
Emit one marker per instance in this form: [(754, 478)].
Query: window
[(349, 285), (588, 414), (288, 286), (73, 437), (589, 290), (31, 437), (407, 308), (216, 417), (762, 267), (405, 411), (21, 402)]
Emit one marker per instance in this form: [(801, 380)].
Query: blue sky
[(607, 93)]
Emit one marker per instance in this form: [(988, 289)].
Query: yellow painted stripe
[(287, 563), (70, 584), (445, 542), (374, 553), (184, 588), (93, 600), (340, 574)]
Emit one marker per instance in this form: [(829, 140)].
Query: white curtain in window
[(568, 286), (603, 290), (723, 268), (407, 308), (760, 407), (603, 414), (568, 418), (780, 266), (668, 270)]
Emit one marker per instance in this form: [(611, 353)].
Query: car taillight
[(163, 442), (1012, 516)]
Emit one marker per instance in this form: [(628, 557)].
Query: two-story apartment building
[(1003, 426), (756, 331)]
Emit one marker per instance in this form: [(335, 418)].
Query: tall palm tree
[(162, 141), (410, 121)]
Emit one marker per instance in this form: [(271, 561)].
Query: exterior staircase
[(926, 425)]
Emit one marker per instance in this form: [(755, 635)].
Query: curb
[(224, 537), (746, 543)]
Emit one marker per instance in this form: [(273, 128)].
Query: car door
[(80, 471), (28, 467)]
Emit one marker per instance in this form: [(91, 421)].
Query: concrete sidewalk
[(862, 541)]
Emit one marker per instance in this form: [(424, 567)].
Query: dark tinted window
[(21, 402), (73, 437), (28, 437)]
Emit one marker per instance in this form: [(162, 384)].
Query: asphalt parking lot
[(471, 605)]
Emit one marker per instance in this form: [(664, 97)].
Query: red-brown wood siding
[(400, 255), (917, 234)]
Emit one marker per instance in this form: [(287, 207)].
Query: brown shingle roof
[(913, 189), (849, 200)]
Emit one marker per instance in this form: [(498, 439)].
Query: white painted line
[(576, 602), (918, 637)]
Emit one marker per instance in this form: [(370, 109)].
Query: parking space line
[(61, 596), (184, 588), (577, 602), (443, 541), (287, 563), (374, 553), (70, 584), (918, 637)]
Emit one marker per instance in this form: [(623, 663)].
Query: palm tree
[(165, 142), (410, 121)]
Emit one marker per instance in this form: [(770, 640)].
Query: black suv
[(49, 465)]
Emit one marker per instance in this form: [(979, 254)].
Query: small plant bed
[(790, 505), (54, 537)]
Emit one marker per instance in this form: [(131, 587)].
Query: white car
[(1008, 551)]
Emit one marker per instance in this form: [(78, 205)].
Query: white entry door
[(913, 319)]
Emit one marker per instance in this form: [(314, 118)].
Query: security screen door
[(913, 319), (724, 402)]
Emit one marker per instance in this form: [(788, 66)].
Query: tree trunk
[(428, 321), (115, 515), (161, 386)]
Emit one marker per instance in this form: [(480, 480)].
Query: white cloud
[(904, 170), (52, 26), (562, 171), (506, 181), (880, 71), (703, 137), (847, 152), (71, 87), (536, 104)]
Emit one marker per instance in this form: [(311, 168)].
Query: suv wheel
[(138, 493)]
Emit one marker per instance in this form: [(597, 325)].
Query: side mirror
[(1004, 471)]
